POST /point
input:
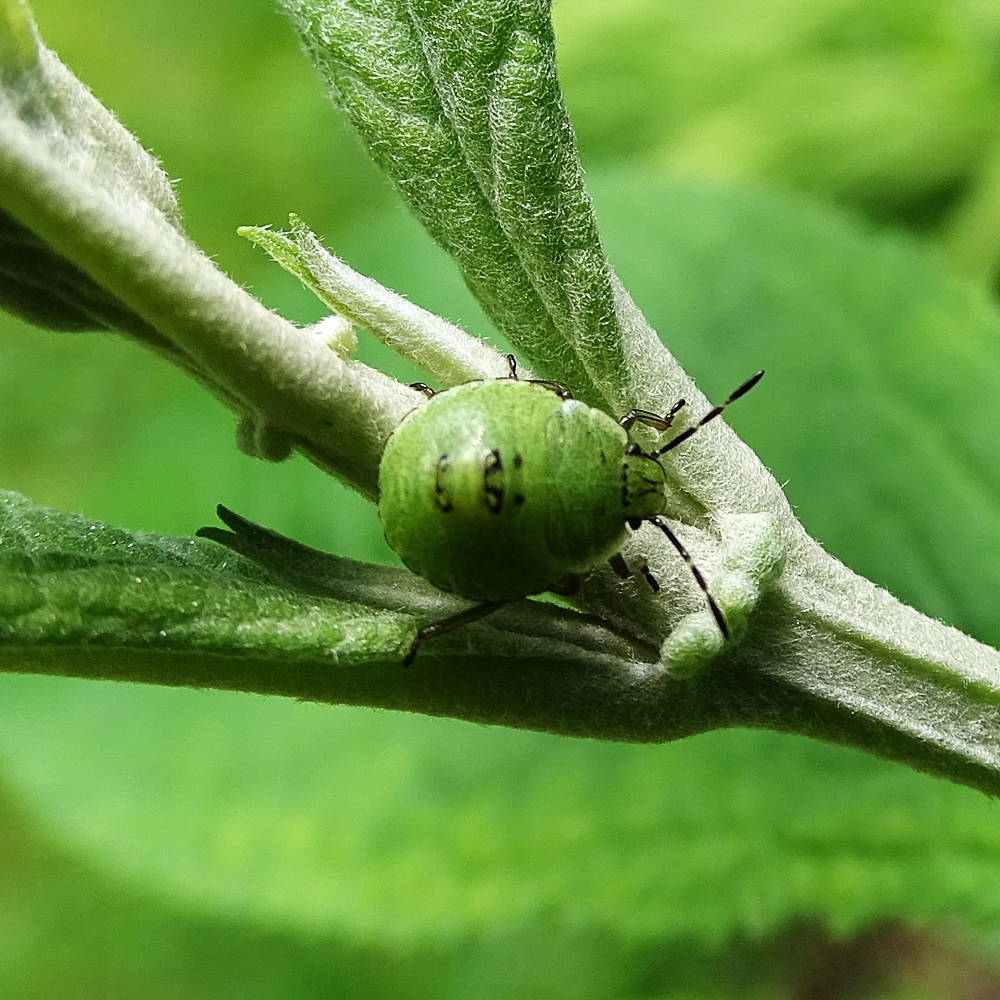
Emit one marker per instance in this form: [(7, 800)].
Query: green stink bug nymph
[(499, 489)]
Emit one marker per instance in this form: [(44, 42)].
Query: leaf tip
[(19, 42)]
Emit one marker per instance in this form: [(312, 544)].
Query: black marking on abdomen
[(440, 494), (518, 462), (492, 493)]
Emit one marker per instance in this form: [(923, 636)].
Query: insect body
[(500, 489)]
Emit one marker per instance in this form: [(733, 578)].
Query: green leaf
[(890, 108), (185, 611), (406, 829), (459, 129), (69, 586), (432, 344), (65, 927)]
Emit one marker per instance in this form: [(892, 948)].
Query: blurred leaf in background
[(196, 844), (889, 107)]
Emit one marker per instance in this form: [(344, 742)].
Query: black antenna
[(711, 415), (696, 573)]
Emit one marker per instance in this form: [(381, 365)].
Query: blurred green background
[(809, 187)]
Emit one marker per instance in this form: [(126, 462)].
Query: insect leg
[(622, 568), (444, 625), (654, 584), (711, 415), (546, 383), (699, 579), (651, 419), (618, 564)]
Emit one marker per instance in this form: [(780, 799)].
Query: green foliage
[(407, 830), (70, 932), (890, 107), (439, 349), (484, 862), (882, 371), (458, 128), (69, 586), (397, 828)]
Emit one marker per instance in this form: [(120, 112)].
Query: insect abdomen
[(457, 501)]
